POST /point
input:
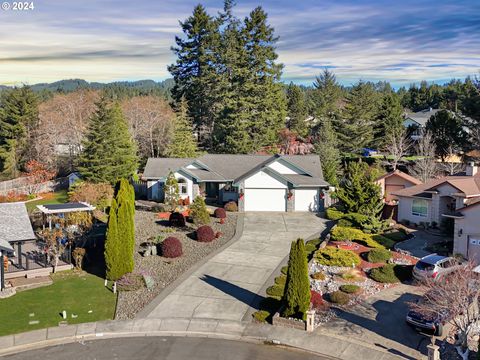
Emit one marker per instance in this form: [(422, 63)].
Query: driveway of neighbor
[(226, 285), (422, 239)]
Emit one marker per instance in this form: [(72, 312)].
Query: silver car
[(435, 266)]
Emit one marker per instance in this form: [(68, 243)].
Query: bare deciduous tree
[(398, 145), (450, 166), (150, 120), (455, 298), (425, 167)]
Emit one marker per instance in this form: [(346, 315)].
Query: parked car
[(435, 266), (432, 325)]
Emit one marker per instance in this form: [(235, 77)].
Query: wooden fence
[(141, 189), (23, 185)]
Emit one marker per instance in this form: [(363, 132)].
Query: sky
[(401, 41)]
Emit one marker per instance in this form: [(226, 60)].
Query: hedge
[(331, 256), (379, 255)]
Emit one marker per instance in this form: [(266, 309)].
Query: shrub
[(231, 206), (220, 213), (342, 233), (171, 247), (281, 280), (315, 242), (130, 282), (284, 270), (356, 219), (379, 255), (339, 297), (176, 219), (309, 249), (383, 240), (353, 275), (344, 223), (396, 235), (316, 300), (205, 234), (275, 291), (385, 274), (333, 214), (318, 276), (350, 289), (261, 315), (331, 256), (268, 307), (199, 212), (96, 194)]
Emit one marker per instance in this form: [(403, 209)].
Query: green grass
[(75, 293), (59, 197)]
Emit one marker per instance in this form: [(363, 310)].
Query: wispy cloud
[(108, 40)]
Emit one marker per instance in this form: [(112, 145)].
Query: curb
[(172, 286)]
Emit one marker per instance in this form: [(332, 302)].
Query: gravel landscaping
[(164, 271)]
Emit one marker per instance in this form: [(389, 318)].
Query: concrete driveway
[(227, 284)]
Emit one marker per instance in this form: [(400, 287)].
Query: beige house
[(454, 197), (395, 181)]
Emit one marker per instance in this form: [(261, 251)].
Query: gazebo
[(60, 209)]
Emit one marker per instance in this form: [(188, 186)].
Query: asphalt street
[(168, 348)]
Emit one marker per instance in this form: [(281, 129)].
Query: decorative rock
[(149, 281)]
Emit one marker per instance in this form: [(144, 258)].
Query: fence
[(23, 185), (140, 187)]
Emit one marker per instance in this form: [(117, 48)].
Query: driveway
[(227, 284), (418, 244), (380, 322)]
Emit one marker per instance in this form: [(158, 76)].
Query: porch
[(218, 193)]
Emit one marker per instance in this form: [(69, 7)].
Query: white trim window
[(182, 187), (420, 207)]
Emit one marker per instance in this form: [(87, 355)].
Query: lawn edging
[(165, 292)]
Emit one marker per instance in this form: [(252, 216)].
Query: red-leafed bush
[(171, 247), (177, 219), (231, 206), (317, 301), (205, 234), (218, 234), (220, 213)]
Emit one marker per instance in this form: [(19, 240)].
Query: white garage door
[(306, 200), (265, 200)]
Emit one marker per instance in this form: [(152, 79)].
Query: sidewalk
[(334, 347)]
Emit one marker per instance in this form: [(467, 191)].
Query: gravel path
[(163, 270)]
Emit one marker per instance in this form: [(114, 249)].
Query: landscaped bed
[(83, 296), (165, 270)]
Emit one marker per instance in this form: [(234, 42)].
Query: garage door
[(306, 200), (265, 200)]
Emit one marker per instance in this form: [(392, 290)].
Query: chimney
[(472, 169)]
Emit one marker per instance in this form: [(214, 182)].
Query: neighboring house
[(15, 231), (454, 197), (417, 121), (394, 181), (256, 182), (72, 178)]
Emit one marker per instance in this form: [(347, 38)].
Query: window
[(182, 186), (419, 207)]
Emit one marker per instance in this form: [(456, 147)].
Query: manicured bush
[(331, 256), (205, 234), (199, 212), (176, 219), (342, 233), (281, 280), (350, 288), (231, 206), (275, 291), (171, 247), (284, 270), (268, 307), (318, 276), (310, 249), (316, 301), (353, 275), (385, 274), (261, 315), (220, 213), (333, 214), (379, 255), (339, 297)]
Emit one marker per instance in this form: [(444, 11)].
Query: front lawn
[(80, 294), (58, 197)]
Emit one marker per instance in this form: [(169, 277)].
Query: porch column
[(2, 271), (19, 244), (290, 200)]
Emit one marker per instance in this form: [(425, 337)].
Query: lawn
[(59, 197), (76, 293)]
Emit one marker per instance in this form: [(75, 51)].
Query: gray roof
[(421, 117), (232, 166), (157, 168), (14, 222), (305, 180), (205, 175)]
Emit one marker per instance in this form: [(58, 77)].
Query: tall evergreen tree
[(356, 131), (389, 120), (113, 245), (296, 110), (108, 152), (18, 122), (326, 95), (171, 191), (326, 148), (297, 287), (183, 144), (195, 71)]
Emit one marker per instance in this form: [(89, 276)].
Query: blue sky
[(105, 40)]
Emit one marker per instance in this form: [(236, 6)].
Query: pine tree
[(199, 212), (297, 287), (326, 96), (297, 111), (326, 148), (108, 152), (356, 131), (18, 124), (171, 191), (195, 71), (389, 121), (183, 144), (358, 191)]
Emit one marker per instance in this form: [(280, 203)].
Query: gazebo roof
[(14, 224), (65, 208)]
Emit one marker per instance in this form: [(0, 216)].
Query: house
[(394, 181), (417, 121), (15, 231), (256, 182), (455, 197), (73, 178)]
